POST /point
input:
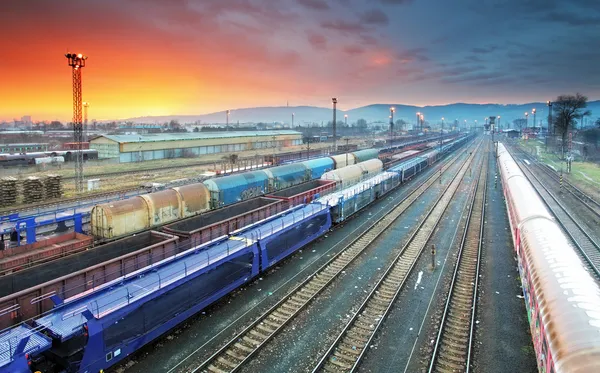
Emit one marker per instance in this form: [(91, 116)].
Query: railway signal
[(561, 182)]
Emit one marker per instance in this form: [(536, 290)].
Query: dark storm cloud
[(572, 18), (314, 4), (481, 47), (375, 17), (482, 76), (344, 26)]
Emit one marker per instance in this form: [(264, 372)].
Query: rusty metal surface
[(115, 219), (194, 199)]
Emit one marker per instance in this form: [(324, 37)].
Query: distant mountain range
[(371, 113)]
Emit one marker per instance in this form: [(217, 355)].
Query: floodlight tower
[(334, 101), (392, 110), (86, 105), (77, 62)]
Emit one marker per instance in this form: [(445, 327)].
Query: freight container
[(319, 166), (163, 206), (42, 160), (44, 250), (371, 167), (235, 188), (194, 199), (216, 223), (285, 176), (346, 176), (343, 160), (119, 218), (365, 155), (31, 288), (305, 193)]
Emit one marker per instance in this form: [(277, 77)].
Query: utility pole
[(392, 109), (499, 127), (347, 140), (292, 120), (274, 146), (77, 62), (86, 105), (550, 124), (526, 120), (334, 100), (441, 135), (418, 119)]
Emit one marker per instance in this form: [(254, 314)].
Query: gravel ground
[(401, 344), (216, 324), (503, 342), (574, 206), (308, 337)]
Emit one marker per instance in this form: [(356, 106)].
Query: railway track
[(454, 342), (590, 203), (586, 246), (348, 349), (244, 345)]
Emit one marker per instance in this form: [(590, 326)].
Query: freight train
[(561, 297), (25, 159), (104, 322), (121, 218)]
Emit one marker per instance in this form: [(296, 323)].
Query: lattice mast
[(77, 62)]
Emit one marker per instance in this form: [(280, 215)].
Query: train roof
[(66, 321), (567, 295)]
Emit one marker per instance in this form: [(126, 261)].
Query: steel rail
[(454, 341), (586, 246), (348, 349), (241, 348)]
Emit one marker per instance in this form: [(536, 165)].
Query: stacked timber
[(53, 186), (8, 191), (33, 190)]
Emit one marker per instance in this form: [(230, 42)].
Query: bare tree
[(519, 123), (400, 124), (566, 110)]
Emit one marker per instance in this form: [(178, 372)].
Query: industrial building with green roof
[(136, 148)]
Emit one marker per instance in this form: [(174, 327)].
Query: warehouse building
[(137, 148)]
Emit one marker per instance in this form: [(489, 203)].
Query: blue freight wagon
[(319, 166), (285, 176), (235, 188)]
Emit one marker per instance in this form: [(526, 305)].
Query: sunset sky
[(155, 57)]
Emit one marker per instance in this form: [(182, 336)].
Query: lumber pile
[(8, 191), (33, 190), (53, 186)]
